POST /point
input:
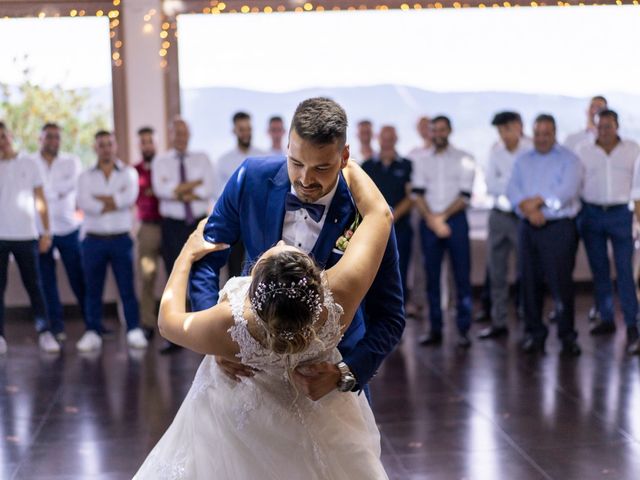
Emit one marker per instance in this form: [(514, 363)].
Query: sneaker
[(89, 342), (47, 343), (3, 345), (61, 337), (136, 338)]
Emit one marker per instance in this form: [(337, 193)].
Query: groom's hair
[(320, 121)]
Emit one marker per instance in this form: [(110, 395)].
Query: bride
[(285, 314)]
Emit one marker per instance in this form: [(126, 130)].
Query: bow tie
[(293, 203)]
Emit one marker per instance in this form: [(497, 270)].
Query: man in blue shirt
[(392, 175), (545, 189)]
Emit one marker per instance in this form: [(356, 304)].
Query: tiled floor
[(489, 413)]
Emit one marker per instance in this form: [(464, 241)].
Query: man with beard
[(60, 172), (227, 164), (149, 233)]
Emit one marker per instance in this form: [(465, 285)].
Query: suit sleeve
[(384, 313), (223, 226)]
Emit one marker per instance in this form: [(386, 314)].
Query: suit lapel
[(279, 185), (339, 217)]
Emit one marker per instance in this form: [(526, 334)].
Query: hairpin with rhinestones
[(295, 291)]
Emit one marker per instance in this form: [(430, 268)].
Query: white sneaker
[(47, 343), (136, 338), (3, 345), (89, 342)]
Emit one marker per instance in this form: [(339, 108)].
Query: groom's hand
[(234, 370), (317, 380)]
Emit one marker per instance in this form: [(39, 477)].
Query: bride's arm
[(205, 331), (352, 276)]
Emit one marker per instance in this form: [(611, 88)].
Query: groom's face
[(313, 169)]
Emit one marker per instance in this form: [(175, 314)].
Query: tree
[(26, 107)]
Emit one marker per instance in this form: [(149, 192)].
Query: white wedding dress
[(261, 428)]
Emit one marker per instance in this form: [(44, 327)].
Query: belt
[(107, 236), (605, 208), (151, 222), (511, 214)]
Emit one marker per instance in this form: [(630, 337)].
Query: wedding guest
[(60, 172), (21, 197), (444, 176), (229, 163), (503, 221), (544, 188), (106, 194), (589, 133), (392, 175), (149, 234), (365, 139), (277, 132), (184, 183), (611, 181)]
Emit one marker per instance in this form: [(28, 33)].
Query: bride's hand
[(197, 247)]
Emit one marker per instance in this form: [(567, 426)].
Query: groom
[(304, 200)]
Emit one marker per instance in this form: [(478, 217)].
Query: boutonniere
[(343, 241)]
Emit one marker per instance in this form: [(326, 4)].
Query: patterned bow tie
[(293, 203)]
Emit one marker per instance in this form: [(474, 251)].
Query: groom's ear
[(344, 159)]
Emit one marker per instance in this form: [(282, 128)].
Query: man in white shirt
[(365, 138), (106, 194), (277, 132), (229, 163), (184, 182), (60, 172), (589, 133), (503, 221), (611, 181), (21, 196), (424, 130), (444, 178)]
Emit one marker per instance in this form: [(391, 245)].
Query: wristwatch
[(347, 379)]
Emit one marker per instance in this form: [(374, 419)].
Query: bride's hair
[(286, 294)]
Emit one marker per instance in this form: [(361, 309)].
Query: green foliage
[(29, 106)]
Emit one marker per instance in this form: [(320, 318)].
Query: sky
[(572, 51)]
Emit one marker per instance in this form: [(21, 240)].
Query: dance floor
[(489, 413)]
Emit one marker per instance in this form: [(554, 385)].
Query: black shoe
[(169, 348), (633, 341), (599, 327), (482, 317), (431, 339), (532, 345), (493, 332), (593, 315), (463, 341), (570, 348), (148, 332), (553, 316), (107, 332)]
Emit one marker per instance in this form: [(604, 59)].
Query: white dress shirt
[(610, 179), (122, 185), (499, 168), (575, 140), (299, 229), (18, 178), (230, 161), (165, 177), (443, 175), (60, 184)]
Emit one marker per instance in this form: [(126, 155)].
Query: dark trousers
[(26, 256), (598, 226), (69, 248), (548, 252), (404, 237), (458, 246), (97, 254), (175, 234), (236, 259)]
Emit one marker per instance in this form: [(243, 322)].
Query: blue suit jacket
[(251, 209)]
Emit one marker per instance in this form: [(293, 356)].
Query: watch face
[(347, 383)]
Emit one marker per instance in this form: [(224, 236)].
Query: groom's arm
[(384, 309), (223, 226)]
